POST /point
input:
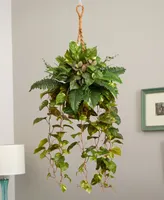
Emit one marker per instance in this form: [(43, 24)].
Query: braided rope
[(80, 38)]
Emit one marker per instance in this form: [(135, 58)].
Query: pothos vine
[(81, 90)]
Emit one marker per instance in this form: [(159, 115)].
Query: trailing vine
[(81, 90)]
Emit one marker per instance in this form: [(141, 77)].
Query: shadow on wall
[(162, 155)]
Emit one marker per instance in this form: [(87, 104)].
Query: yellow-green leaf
[(67, 177), (75, 135), (116, 151), (86, 186), (71, 146), (60, 98), (48, 175), (66, 125), (63, 188), (43, 142), (43, 154), (37, 120), (38, 149), (43, 105)]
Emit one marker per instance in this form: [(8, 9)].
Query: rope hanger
[(80, 38), (80, 2)]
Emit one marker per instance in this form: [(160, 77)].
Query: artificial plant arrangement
[(81, 90)]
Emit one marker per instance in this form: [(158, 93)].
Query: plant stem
[(83, 148)]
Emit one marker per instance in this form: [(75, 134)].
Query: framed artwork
[(152, 109)]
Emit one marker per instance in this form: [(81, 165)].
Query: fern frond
[(117, 70), (45, 84), (75, 98)]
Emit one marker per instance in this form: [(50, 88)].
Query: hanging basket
[(80, 93)]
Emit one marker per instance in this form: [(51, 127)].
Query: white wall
[(6, 80), (132, 29)]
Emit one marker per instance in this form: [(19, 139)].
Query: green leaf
[(56, 136), (96, 179), (75, 98), (38, 149), (107, 94), (86, 186), (60, 99), (103, 151), (74, 85), (65, 151), (92, 130), (43, 154), (97, 75), (43, 142), (52, 103), (117, 141), (114, 132), (56, 126), (91, 53), (84, 154), (90, 148), (106, 85), (116, 151), (58, 158), (91, 137), (109, 76), (81, 168), (63, 188), (82, 126), (105, 118), (111, 155), (111, 166), (98, 163), (75, 135), (83, 118), (111, 176), (44, 93), (67, 177), (65, 125), (68, 57), (94, 98), (54, 111), (61, 133), (73, 47), (118, 119), (64, 143), (37, 120), (60, 60), (71, 146), (43, 105), (64, 117), (116, 116), (61, 73), (88, 78), (53, 147), (91, 68), (48, 175), (68, 110), (63, 166)]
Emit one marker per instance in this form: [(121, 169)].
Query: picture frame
[(152, 109)]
